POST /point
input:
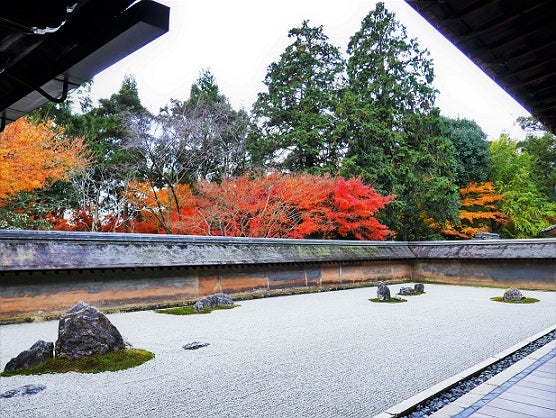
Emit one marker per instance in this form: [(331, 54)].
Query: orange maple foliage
[(479, 211), (353, 210), (272, 206), (83, 220), (269, 206), (33, 155), (160, 210)]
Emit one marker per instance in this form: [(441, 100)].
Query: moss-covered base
[(190, 310), (109, 362), (412, 294), (391, 300), (522, 301)]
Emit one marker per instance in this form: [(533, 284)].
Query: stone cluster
[(82, 331), (383, 292), (415, 290)]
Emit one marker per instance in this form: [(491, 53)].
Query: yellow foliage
[(478, 213)]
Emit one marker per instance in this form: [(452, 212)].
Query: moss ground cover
[(109, 362), (412, 294), (391, 300), (189, 310), (522, 301)]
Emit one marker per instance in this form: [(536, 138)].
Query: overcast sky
[(237, 40)]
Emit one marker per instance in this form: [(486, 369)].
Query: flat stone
[(30, 389), (195, 345), (217, 299), (406, 291)]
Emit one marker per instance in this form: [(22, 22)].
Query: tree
[(275, 206), (202, 138), (33, 155), (298, 127), (392, 128), (471, 149), (103, 129), (529, 211), (161, 210), (292, 206), (36, 162), (541, 146), (211, 134), (480, 212)]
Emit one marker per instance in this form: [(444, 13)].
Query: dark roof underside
[(46, 46), (513, 41)]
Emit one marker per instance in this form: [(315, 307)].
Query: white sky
[(238, 40)]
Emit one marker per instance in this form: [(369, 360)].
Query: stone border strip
[(407, 405), (492, 388)]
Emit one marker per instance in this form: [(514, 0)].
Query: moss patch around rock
[(391, 300), (412, 294), (109, 362), (522, 301), (190, 310)]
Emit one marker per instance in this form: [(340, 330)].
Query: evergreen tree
[(297, 121), (471, 149), (392, 128)]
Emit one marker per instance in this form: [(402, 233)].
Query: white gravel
[(331, 354)]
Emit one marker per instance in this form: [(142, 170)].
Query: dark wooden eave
[(48, 48), (513, 41)]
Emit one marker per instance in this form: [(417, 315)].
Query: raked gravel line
[(330, 354)]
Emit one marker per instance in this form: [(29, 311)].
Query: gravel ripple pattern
[(329, 354)]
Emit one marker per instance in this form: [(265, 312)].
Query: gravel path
[(331, 354)]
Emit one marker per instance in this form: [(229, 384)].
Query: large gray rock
[(84, 331), (382, 292), (419, 287), (513, 294), (37, 354), (217, 299)]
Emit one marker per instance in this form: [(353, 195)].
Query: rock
[(382, 292), (419, 288), (195, 345), (23, 390), (406, 291), (217, 299), (513, 294), (84, 331), (37, 354)]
